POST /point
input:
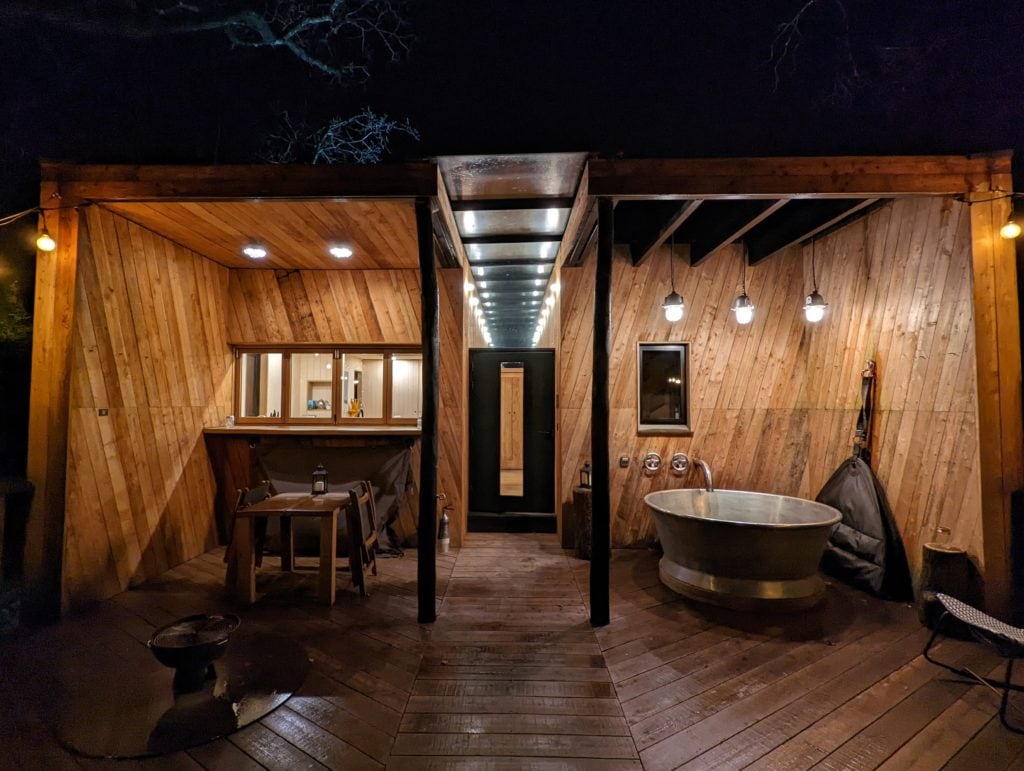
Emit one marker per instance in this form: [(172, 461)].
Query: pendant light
[(1011, 229), (743, 307), (814, 303), (673, 305)]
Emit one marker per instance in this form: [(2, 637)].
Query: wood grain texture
[(451, 401), (296, 234), (331, 306), (774, 404), (150, 347)]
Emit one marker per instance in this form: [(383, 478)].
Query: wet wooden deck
[(513, 676)]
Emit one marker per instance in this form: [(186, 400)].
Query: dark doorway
[(533, 510)]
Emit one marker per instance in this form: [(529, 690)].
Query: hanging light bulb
[(1010, 230), (673, 305), (743, 307), (814, 303), (45, 242)]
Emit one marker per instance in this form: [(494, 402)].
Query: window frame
[(685, 426), (336, 351)]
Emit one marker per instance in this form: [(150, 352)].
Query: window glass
[(362, 385), (662, 389), (260, 385), (311, 385), (406, 385)]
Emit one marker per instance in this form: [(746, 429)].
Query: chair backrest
[(361, 497), (251, 495)]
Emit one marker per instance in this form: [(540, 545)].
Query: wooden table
[(326, 507)]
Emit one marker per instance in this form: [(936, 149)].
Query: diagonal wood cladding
[(775, 403), (149, 347)]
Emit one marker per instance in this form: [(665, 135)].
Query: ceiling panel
[(536, 250), (296, 234), (546, 221)]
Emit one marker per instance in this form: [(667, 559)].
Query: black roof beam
[(510, 204), (641, 249), (799, 221), (585, 235), (724, 222)]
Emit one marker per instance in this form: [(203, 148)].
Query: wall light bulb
[(45, 242), (1010, 230)]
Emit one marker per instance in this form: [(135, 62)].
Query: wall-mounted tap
[(709, 484)]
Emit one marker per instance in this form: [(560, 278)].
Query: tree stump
[(583, 510), (949, 570)]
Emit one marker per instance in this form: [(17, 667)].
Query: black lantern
[(319, 480), (585, 475)]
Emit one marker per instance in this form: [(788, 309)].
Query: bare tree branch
[(789, 36), (363, 138), (337, 38)]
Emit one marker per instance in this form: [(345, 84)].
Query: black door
[(533, 511)]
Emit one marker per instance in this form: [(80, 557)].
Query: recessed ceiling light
[(341, 252), (254, 251)]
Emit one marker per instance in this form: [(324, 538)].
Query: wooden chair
[(361, 522), (247, 497), (1006, 640)]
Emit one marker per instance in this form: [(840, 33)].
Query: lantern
[(319, 480)]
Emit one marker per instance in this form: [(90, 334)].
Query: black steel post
[(600, 531), (426, 568)]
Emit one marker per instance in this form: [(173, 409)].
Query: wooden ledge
[(255, 430)]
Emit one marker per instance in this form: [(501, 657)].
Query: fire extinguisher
[(443, 534)]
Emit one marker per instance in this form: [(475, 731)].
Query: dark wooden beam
[(443, 244), (821, 177), (600, 531), (148, 183), (800, 221), (640, 251), (426, 533), (509, 204), (525, 238), (584, 237), (731, 221)]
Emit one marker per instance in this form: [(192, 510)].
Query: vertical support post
[(49, 402), (998, 357), (600, 532), (426, 533)]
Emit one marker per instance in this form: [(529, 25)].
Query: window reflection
[(260, 385), (362, 385), (311, 390)]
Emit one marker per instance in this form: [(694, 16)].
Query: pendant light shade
[(814, 303), (814, 307), (744, 309), (673, 306)]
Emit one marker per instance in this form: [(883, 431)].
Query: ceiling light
[(556, 287), (550, 300), (483, 284), (552, 217), (469, 221), (341, 252), (743, 307), (540, 269), (467, 286), (673, 305), (1008, 231), (254, 252), (814, 303), (473, 301), (479, 271)]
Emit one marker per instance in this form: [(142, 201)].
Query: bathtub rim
[(837, 515)]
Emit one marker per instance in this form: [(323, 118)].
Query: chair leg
[(1008, 681), (260, 528), (931, 641)]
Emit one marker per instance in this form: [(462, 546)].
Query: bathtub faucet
[(709, 485)]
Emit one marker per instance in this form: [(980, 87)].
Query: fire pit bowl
[(190, 645)]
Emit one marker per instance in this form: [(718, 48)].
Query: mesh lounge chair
[(1007, 640)]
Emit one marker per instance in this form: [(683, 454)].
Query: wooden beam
[(49, 401), (426, 540), (510, 204), (582, 215), (585, 234), (835, 177), (144, 183), (681, 214), (600, 531), (725, 230), (803, 220), (451, 228), (1000, 415)]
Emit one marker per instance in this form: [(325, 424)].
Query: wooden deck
[(513, 676)]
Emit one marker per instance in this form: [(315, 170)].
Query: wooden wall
[(149, 347), (774, 404)]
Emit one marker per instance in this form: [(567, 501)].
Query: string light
[(45, 242), (1010, 230)]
